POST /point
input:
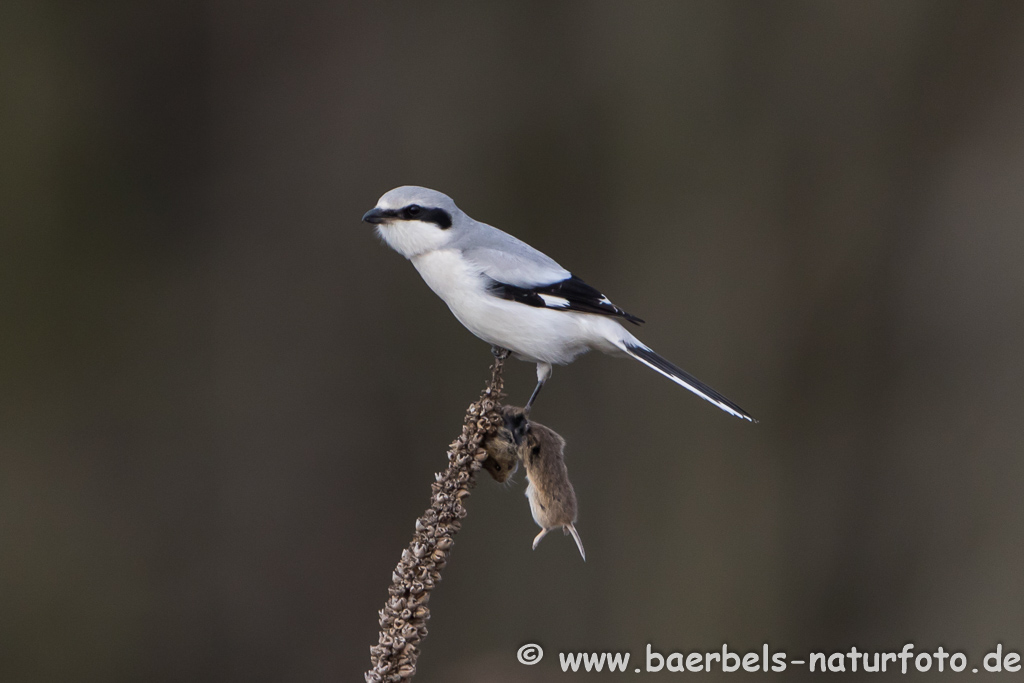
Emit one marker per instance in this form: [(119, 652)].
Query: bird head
[(414, 220)]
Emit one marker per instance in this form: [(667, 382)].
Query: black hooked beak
[(377, 215)]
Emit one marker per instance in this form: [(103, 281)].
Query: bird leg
[(543, 372), (499, 352), (533, 397)]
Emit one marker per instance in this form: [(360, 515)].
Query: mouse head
[(503, 444), (514, 424), (501, 469)]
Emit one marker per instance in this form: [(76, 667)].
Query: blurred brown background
[(223, 399)]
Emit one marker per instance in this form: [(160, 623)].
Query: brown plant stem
[(403, 621)]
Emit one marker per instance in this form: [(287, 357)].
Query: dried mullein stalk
[(403, 621)]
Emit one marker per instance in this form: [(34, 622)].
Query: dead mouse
[(542, 452)]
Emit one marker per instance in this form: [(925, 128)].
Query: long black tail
[(683, 378)]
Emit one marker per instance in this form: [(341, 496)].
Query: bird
[(511, 295)]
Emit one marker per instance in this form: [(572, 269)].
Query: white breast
[(452, 277)]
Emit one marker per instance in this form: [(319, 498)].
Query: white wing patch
[(554, 301)]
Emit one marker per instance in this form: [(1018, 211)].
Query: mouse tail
[(571, 528)]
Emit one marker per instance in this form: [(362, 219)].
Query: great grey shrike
[(511, 295)]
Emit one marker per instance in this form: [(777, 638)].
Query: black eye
[(415, 212)]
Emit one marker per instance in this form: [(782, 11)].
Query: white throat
[(412, 238)]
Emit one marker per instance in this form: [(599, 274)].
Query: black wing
[(572, 294)]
